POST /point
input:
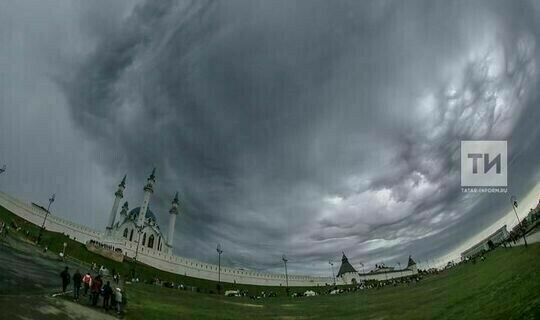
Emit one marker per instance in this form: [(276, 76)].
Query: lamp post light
[(333, 274), (514, 206), (219, 251), (284, 258), (64, 252), (139, 232), (51, 200)]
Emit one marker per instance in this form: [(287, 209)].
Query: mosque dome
[(134, 213)]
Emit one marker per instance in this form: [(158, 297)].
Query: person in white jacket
[(118, 298)]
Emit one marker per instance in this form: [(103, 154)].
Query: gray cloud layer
[(310, 127)]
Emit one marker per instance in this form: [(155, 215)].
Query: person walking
[(87, 282), (65, 279), (77, 279), (107, 292), (95, 289), (118, 298)]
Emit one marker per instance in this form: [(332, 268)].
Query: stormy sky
[(304, 128)]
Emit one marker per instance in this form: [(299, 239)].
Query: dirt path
[(26, 307), (25, 270), (28, 279)]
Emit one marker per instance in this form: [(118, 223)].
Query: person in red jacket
[(95, 289), (87, 282)]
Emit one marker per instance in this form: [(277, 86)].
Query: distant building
[(347, 272), (348, 275), (490, 242), (139, 225)]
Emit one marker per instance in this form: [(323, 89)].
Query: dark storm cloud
[(43, 151), (312, 127)]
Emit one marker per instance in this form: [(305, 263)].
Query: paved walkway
[(531, 238), (28, 280)]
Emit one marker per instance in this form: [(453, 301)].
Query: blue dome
[(134, 213)]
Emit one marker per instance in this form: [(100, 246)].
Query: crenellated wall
[(36, 215), (176, 264), (378, 276), (154, 258)]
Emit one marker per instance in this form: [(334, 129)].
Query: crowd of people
[(321, 290), (96, 289)]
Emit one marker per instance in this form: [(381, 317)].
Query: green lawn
[(504, 286)]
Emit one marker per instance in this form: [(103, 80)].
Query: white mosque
[(136, 234), (139, 226)]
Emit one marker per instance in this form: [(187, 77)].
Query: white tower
[(123, 213), (119, 194), (172, 222), (148, 190)]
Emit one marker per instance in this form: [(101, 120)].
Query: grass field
[(504, 286)]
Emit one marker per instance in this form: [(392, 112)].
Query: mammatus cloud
[(312, 127)]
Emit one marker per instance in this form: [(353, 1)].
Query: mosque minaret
[(118, 196), (173, 213), (148, 191)]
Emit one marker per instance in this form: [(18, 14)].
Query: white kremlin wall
[(36, 215), (176, 264)]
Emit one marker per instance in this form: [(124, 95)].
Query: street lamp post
[(139, 231), (284, 258), (51, 200), (64, 252), (400, 271), (514, 206), (333, 274), (219, 251)]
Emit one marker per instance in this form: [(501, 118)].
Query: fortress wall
[(379, 276), (387, 276), (176, 264), (154, 258), (36, 215), (201, 270)]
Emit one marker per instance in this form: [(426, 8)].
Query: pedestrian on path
[(65, 279)]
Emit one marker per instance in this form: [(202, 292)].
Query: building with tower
[(348, 274), (139, 225), (136, 234)]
